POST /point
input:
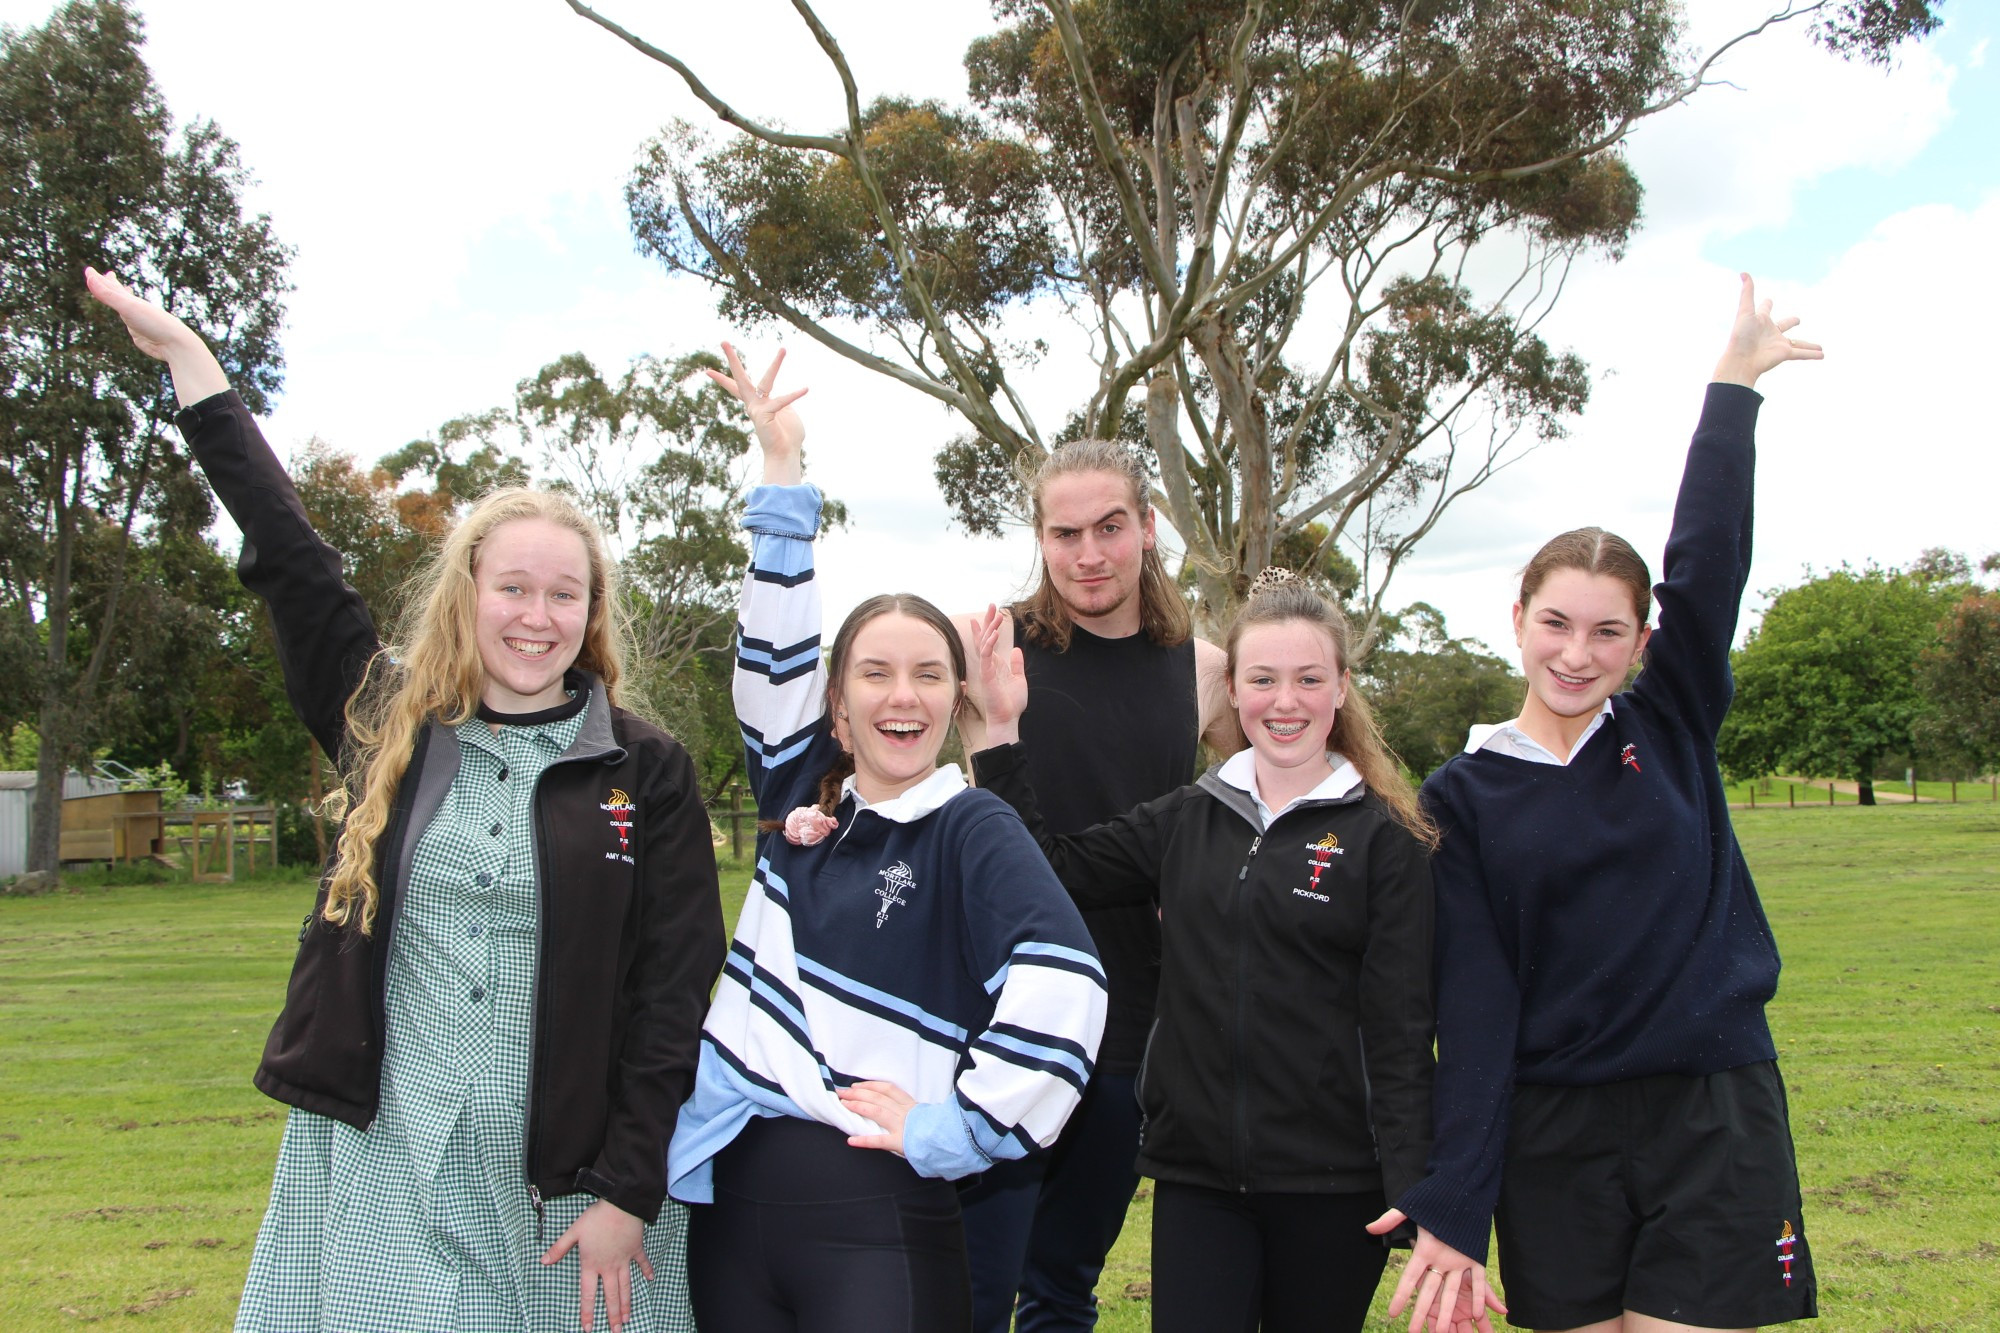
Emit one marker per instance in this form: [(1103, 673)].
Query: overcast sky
[(451, 174)]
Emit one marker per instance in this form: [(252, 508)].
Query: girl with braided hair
[(910, 996), (1287, 1083)]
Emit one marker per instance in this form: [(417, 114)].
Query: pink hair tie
[(808, 825)]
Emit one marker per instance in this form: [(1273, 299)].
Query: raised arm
[(325, 634), (780, 682), (1708, 552)]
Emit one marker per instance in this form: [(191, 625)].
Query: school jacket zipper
[(1242, 1035), (531, 1127)]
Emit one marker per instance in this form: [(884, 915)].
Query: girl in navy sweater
[(1606, 1079)]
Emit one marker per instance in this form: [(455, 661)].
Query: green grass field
[(135, 1157)]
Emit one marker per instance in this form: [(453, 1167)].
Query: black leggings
[(808, 1235), (1285, 1263)]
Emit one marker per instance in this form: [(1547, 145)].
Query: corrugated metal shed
[(17, 804)]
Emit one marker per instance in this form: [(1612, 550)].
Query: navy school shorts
[(1675, 1196)]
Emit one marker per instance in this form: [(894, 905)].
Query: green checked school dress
[(424, 1223)]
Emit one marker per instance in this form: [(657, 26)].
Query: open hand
[(779, 429), (999, 680), (884, 1103), (161, 336), (608, 1241), (153, 330), (1758, 342), (1446, 1292)]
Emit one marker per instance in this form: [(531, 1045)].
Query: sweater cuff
[(938, 1142), (998, 762), (783, 511), (1734, 398), (1447, 1214), (226, 403)]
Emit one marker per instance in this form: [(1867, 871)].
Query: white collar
[(1240, 772), (915, 802), (1508, 738)]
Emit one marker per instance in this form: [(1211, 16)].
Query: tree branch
[(724, 112)]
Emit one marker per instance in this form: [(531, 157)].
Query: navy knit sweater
[(1595, 921)]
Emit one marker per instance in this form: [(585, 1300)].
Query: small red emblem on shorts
[(1630, 755), (1786, 1240)]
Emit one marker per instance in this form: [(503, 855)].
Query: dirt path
[(1884, 794)]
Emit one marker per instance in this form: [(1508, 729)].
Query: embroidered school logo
[(1319, 856), (894, 880), (620, 809), (1630, 755), (1786, 1240)]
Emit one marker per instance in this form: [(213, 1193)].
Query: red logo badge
[(620, 809)]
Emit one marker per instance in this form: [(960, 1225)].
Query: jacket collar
[(595, 739), (1233, 782)]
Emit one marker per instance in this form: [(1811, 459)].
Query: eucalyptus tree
[(1261, 213), (97, 176)]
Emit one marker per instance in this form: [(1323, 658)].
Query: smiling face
[(1094, 541), (1579, 636), (1286, 687), (893, 702), (533, 602)]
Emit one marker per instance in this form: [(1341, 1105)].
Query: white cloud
[(1733, 157)]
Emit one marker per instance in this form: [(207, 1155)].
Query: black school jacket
[(629, 942), (1292, 1053)]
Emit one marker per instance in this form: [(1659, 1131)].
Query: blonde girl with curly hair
[(494, 1012)]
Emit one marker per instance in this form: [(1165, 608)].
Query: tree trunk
[(1242, 405), (58, 738), (1211, 574), (45, 824), (1866, 788)]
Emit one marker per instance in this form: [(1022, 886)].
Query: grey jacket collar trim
[(594, 739), (1240, 801)]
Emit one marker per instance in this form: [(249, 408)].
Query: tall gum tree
[(95, 176), (1261, 214)]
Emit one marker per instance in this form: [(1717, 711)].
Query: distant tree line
[(1861, 672)]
